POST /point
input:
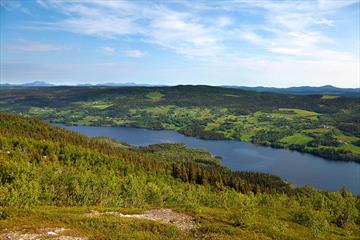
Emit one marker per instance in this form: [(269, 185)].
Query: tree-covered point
[(328, 127), (43, 165)]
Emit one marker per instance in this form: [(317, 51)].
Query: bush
[(342, 208), (245, 217), (315, 220), (4, 213)]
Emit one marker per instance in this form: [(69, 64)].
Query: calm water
[(297, 168)]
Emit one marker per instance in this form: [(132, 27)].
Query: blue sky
[(229, 42)]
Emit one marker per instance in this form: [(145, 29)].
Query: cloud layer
[(233, 34)]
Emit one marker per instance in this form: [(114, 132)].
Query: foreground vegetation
[(53, 177), (321, 125)]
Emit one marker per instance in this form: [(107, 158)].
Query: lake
[(297, 168)]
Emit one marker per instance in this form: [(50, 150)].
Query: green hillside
[(325, 126), (60, 182)]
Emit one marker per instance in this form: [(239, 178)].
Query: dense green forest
[(328, 126), (50, 176)]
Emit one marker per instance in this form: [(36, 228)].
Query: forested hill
[(42, 165), (325, 125), (192, 166)]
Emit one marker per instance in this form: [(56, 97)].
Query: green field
[(329, 97), (298, 138), (155, 96)]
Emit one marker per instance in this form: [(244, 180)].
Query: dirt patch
[(43, 233), (180, 220)]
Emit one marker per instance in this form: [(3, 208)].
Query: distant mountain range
[(128, 84), (45, 84), (304, 90), (31, 84)]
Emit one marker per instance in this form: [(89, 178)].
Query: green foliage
[(42, 165), (245, 215), (155, 96), (192, 166), (343, 208), (279, 227), (4, 213), (313, 219)]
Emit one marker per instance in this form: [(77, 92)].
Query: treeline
[(321, 145), (195, 130), (244, 182), (328, 153)]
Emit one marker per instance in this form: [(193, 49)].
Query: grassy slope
[(33, 194), (274, 224)]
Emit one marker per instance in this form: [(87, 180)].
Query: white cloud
[(11, 5), (252, 37), (191, 32), (134, 53), (324, 21), (108, 50), (32, 46), (155, 23), (223, 22), (287, 51), (290, 32), (42, 3)]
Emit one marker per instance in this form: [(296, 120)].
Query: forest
[(52, 176), (327, 126)]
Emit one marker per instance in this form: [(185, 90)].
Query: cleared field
[(329, 97), (155, 96), (300, 112), (298, 139)]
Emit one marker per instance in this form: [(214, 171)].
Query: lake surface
[(297, 168)]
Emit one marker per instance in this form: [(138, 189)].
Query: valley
[(323, 126)]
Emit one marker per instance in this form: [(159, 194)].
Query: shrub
[(4, 213), (244, 217), (315, 220)]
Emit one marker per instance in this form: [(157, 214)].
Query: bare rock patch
[(42, 233), (180, 220)]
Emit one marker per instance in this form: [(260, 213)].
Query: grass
[(37, 111), (214, 223), (298, 139), (351, 148), (100, 104), (78, 224), (329, 97), (300, 112), (155, 96)]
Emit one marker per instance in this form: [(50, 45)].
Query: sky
[(229, 42)]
